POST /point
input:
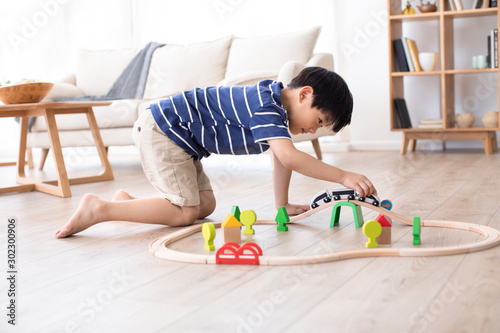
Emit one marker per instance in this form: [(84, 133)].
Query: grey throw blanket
[(131, 82), (129, 85)]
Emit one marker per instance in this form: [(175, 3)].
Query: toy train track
[(159, 247)]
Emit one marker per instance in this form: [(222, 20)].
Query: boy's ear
[(305, 92)]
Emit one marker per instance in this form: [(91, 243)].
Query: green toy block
[(235, 211), (416, 230), (282, 228), (356, 210), (282, 218)]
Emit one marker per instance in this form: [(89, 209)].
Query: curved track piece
[(159, 247)]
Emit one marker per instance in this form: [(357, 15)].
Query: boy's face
[(303, 118)]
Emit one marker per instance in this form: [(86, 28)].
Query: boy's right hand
[(294, 209), (358, 182)]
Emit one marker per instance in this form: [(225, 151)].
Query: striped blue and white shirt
[(234, 120)]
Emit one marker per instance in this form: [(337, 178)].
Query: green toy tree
[(282, 219)]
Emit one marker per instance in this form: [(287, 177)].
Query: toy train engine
[(373, 199), (320, 198), (343, 193)]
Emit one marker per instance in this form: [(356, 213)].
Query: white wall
[(362, 58), (177, 22), (39, 39)]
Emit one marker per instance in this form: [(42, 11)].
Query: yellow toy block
[(231, 229), (208, 231), (248, 218), (372, 229)]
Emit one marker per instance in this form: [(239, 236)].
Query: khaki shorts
[(169, 168)]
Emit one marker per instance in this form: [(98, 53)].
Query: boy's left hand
[(293, 209)]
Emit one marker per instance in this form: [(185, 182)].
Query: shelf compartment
[(453, 70), (415, 17), (448, 130), (471, 71), (488, 136), (471, 12), (397, 74)]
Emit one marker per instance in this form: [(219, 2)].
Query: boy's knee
[(189, 214), (207, 204)]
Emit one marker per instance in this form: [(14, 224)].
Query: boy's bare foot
[(84, 217), (122, 195)]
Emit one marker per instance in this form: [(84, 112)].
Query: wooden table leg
[(404, 146), (60, 187), (317, 149), (413, 143), (21, 161), (494, 143), (106, 171), (22, 147), (487, 141), (55, 144)]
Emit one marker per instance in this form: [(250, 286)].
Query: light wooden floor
[(105, 280)]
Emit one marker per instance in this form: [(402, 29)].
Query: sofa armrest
[(287, 73), (248, 78), (324, 60), (63, 89)]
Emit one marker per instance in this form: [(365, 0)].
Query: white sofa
[(176, 68)]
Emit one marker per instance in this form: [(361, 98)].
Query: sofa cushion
[(122, 113), (247, 78), (269, 53), (62, 89), (96, 71), (120, 136), (176, 68)]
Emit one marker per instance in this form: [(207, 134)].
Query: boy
[(179, 131)]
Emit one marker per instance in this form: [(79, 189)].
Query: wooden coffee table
[(59, 187)]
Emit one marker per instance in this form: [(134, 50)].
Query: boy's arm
[(293, 159), (281, 179)]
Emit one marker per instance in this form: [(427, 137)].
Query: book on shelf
[(494, 38), (409, 60), (459, 5), (412, 45), (431, 123), (493, 49), (399, 53), (402, 112), (493, 3), (406, 53), (480, 4), (452, 5), (431, 126)]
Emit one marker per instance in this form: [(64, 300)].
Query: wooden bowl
[(427, 8), (25, 92)]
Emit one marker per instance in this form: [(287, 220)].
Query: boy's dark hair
[(330, 94)]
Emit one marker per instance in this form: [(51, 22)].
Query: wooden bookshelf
[(446, 72)]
